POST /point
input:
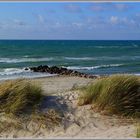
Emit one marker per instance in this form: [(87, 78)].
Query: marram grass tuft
[(138, 130), (19, 96), (117, 93)]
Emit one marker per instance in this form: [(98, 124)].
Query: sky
[(70, 20)]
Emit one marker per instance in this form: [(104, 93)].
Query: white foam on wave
[(14, 73), (11, 71), (93, 67), (31, 59), (26, 56), (79, 58), (103, 58), (28, 59), (19, 60)]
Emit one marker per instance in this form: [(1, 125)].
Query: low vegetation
[(117, 94), (138, 131), (19, 96), (19, 105)]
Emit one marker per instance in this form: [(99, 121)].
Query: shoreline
[(45, 71)]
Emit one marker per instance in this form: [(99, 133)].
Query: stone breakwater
[(59, 71)]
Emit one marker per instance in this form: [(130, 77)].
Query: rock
[(59, 70), (26, 69)]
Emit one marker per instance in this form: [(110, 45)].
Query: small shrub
[(117, 93), (18, 96)]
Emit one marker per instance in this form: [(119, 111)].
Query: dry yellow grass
[(117, 93), (19, 100), (19, 96), (138, 130)]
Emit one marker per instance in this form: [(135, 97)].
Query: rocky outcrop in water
[(60, 71)]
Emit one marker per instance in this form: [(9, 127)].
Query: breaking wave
[(14, 73), (19, 60), (56, 58), (93, 67)]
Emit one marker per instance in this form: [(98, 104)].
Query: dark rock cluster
[(60, 71)]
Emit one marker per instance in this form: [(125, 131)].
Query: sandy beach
[(78, 121)]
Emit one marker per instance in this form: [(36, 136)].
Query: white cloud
[(57, 24), (41, 18), (72, 8), (132, 21), (77, 24), (138, 15), (121, 6), (19, 22), (124, 22), (114, 20), (97, 8)]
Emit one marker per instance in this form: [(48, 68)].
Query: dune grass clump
[(19, 96), (138, 131), (116, 93)]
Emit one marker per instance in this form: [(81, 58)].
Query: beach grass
[(19, 101), (117, 93), (19, 96), (138, 130)]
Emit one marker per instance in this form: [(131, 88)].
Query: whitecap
[(93, 67), (15, 73), (79, 58), (19, 60)]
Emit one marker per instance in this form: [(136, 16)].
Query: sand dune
[(77, 121)]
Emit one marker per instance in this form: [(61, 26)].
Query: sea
[(97, 57)]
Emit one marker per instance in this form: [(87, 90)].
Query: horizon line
[(71, 39)]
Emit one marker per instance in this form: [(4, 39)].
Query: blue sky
[(70, 20)]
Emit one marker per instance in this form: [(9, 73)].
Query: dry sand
[(78, 122)]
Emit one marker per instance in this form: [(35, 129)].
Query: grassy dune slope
[(117, 94), (19, 96)]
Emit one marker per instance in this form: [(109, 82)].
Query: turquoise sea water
[(95, 57)]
